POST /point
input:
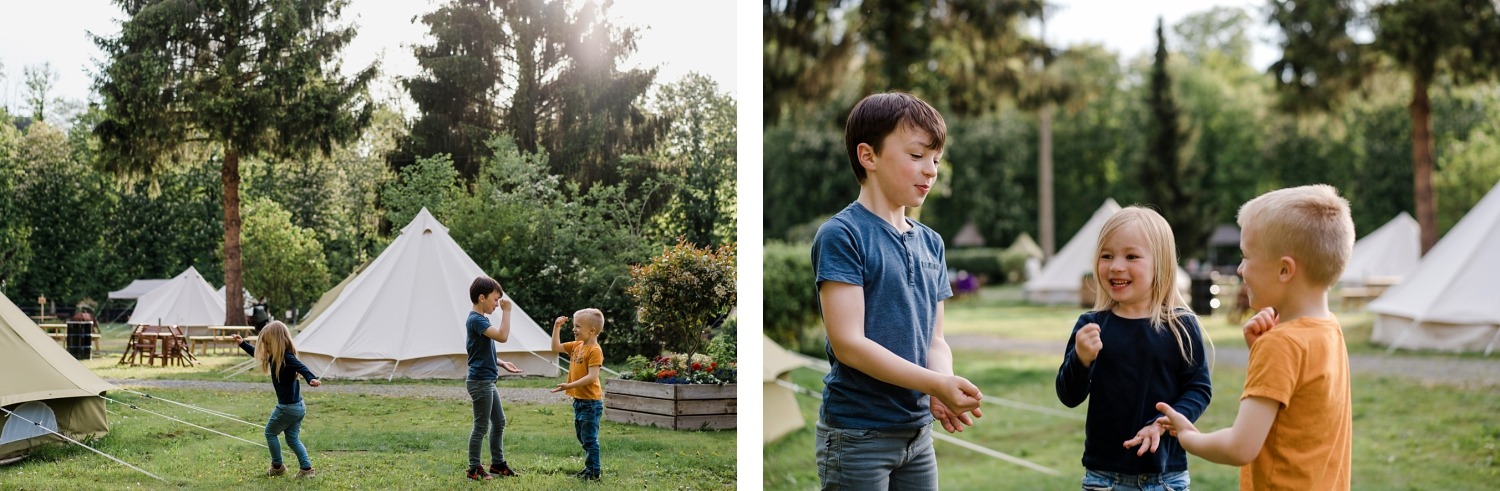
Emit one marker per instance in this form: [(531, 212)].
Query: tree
[(251, 77), (805, 54), (1172, 181), (1321, 63), (699, 151), (15, 233), (560, 68), (283, 262), (40, 80)]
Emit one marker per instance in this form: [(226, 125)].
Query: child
[(1295, 426), (278, 357), (484, 370), (1140, 345), (584, 359), (881, 285)]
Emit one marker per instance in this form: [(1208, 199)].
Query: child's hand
[(560, 388), (237, 338), (1087, 344), (958, 394), (1174, 422), (510, 367), (1260, 323), (314, 382), (1148, 438), (504, 304), (557, 324), (952, 422)]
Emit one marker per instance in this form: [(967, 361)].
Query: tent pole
[(1493, 339)]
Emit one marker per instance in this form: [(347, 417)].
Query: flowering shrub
[(673, 368)]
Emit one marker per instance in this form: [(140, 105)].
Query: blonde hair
[(1171, 307), (1309, 223), (589, 317), (270, 349)]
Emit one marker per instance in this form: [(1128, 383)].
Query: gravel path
[(453, 393), (1470, 373)]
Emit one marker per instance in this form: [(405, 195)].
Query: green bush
[(791, 296), (984, 262), (1014, 265), (681, 292)]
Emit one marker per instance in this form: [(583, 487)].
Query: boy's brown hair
[(877, 115), (1311, 224), (482, 286)]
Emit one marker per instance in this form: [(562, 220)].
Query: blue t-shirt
[(904, 278), (1138, 367), (481, 349)]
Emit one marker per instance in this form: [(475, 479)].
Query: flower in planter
[(673, 368)]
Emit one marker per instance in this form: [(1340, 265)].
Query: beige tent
[(1448, 302), (41, 382), (1386, 255), (403, 316), (186, 300), (781, 413), (328, 298)]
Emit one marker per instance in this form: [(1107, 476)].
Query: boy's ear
[(1288, 269), (866, 154)]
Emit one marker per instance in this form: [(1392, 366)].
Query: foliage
[(723, 346), (554, 248), (682, 292), (15, 231), (1171, 176), (698, 151), (256, 77), (806, 175), (1469, 171), (431, 183), (284, 264), (789, 292), (65, 203), (559, 64), (675, 368), (979, 261)]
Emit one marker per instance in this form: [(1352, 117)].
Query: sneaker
[(587, 476), (301, 473), (503, 470), (478, 474), (276, 471)]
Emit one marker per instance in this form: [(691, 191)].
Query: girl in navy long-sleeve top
[(1139, 346), (278, 357)]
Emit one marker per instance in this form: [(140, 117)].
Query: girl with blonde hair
[(1138, 346), (277, 356)]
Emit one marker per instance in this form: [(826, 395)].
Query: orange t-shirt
[(580, 358), (1303, 365)]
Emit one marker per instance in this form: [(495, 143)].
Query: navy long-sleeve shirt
[(285, 380), (1138, 367)]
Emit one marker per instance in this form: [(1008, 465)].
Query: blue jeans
[(1113, 481), (586, 415), (876, 459), (489, 417), (287, 418)]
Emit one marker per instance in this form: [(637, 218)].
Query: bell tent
[(44, 384), (1386, 255), (186, 300)]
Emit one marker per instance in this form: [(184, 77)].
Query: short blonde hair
[(589, 318), (1309, 223), (1168, 305)]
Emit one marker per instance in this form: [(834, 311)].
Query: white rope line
[(947, 438), (76, 442), (565, 358), (824, 367), (196, 408), (133, 406)]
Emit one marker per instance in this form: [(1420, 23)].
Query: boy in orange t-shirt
[(584, 359), (1294, 429)]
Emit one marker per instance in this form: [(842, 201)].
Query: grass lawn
[(358, 441), (1407, 435)]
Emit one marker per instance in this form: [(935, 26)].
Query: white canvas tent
[(403, 316), (136, 289), (1387, 254), (186, 300), (43, 383), (1449, 303), (1061, 277), (781, 413)]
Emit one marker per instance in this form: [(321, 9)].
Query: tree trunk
[(234, 297), (1421, 156), (1044, 173)]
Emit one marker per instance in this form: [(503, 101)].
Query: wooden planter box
[(672, 406)]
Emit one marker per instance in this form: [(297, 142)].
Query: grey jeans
[(489, 417), (876, 459)]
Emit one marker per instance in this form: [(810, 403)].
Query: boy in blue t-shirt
[(881, 285), (484, 370)]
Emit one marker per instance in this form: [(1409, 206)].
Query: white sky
[(679, 36), (1129, 27)]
